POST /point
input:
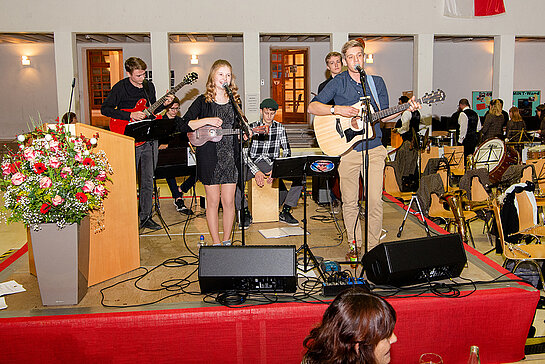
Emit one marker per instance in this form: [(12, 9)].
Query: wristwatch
[(332, 109)]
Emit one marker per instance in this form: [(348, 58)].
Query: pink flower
[(54, 162), (54, 146), (29, 154), (101, 176), (78, 158), (18, 178), (6, 168), (66, 171), (82, 197), (88, 187), (57, 200), (45, 182), (99, 190)]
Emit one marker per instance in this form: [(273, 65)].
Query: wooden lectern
[(116, 249)]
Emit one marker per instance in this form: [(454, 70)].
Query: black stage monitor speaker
[(269, 268), (399, 263)]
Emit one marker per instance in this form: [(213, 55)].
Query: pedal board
[(333, 289)]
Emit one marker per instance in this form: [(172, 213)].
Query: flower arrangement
[(53, 177)]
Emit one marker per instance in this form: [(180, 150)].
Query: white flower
[(21, 138), (48, 137), (93, 141), (85, 152)]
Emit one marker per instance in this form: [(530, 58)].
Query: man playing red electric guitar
[(120, 104)]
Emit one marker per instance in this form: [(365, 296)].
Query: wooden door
[(104, 69), (289, 84)]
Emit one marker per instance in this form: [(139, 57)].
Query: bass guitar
[(118, 125), (213, 134), (337, 134)]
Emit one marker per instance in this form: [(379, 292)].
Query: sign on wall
[(480, 101), (526, 101)]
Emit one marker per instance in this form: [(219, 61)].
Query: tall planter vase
[(61, 257)]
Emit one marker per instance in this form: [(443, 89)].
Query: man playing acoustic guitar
[(124, 96), (346, 90)]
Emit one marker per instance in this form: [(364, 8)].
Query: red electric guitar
[(118, 126)]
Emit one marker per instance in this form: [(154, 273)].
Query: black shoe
[(150, 224), (247, 218), (285, 216), (180, 207)]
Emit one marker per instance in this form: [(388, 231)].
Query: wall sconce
[(25, 61), (194, 59), (369, 58)]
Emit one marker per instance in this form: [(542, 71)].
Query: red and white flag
[(473, 8)]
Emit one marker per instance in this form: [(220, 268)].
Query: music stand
[(303, 166), (150, 130)]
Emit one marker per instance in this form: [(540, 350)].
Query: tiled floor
[(155, 247)]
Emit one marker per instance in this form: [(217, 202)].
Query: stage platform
[(187, 327)]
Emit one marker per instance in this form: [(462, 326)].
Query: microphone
[(73, 82), (359, 69), (227, 89)]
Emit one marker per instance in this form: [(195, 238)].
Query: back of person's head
[(351, 44), (69, 120), (352, 326), (495, 107), (463, 102), (541, 109), (135, 63), (404, 99), (332, 54), (515, 114)]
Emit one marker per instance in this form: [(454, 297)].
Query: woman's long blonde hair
[(210, 94), (495, 107)]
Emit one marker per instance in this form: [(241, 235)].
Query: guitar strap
[(373, 89), (145, 85)]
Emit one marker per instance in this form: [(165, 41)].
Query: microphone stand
[(243, 130), (70, 104), (367, 119)]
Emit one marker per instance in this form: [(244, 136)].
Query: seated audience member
[(73, 118), (259, 157), (358, 327), (493, 122), (515, 124), (540, 113), (178, 140)]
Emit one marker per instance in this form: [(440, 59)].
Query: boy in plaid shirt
[(259, 157)]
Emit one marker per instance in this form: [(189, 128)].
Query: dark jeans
[(146, 161), (185, 186)]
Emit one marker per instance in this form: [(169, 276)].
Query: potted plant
[(51, 183)]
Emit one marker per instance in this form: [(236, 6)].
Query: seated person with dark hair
[(179, 140), (358, 327), (259, 157)]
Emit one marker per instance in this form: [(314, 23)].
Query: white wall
[(529, 71), (26, 90), (180, 54), (459, 69), (472, 65)]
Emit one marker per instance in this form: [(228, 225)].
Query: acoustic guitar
[(212, 134), (337, 134), (118, 125)]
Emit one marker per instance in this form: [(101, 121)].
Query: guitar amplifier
[(268, 268), (399, 263)]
